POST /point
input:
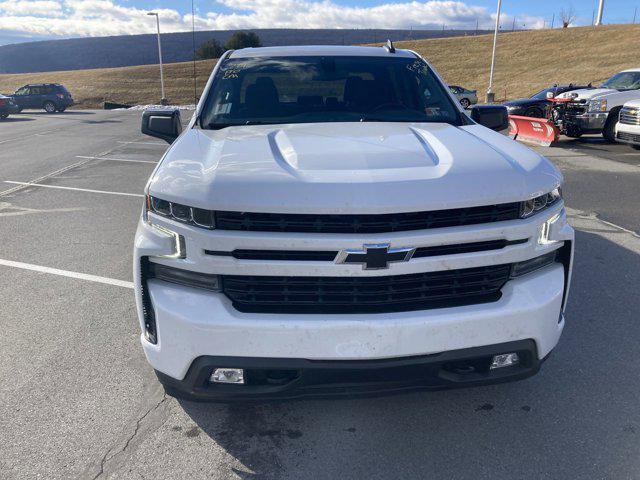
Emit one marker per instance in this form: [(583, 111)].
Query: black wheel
[(533, 112), (62, 109), (635, 147), (465, 103), (3, 116), (573, 131), (49, 107), (609, 130)]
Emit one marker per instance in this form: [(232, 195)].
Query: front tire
[(3, 116), (465, 103), (49, 107), (609, 130), (635, 147)]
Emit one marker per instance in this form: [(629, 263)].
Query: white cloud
[(106, 17), (46, 8)]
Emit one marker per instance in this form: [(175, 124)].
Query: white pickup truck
[(628, 126), (332, 222), (596, 110)]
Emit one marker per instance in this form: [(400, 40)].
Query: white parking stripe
[(142, 143), (66, 273), (26, 136), (118, 159), (29, 184)]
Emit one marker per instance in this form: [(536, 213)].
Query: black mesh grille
[(397, 293), (629, 137), (391, 222)]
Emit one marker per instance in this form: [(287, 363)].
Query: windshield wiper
[(220, 126)]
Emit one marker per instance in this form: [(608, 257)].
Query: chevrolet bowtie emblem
[(376, 256)]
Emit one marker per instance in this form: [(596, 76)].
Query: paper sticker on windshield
[(222, 109), (232, 72)]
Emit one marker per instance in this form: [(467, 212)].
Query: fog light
[(504, 360), (228, 375)]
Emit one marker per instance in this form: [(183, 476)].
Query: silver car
[(464, 96)]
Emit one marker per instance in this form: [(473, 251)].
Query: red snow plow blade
[(538, 131)]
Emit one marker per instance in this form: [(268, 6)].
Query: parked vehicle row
[(610, 109), (50, 97)]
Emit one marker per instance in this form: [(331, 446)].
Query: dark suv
[(50, 96)]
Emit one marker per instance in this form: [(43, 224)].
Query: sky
[(29, 20)]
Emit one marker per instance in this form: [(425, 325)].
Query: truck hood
[(349, 168), (588, 93)]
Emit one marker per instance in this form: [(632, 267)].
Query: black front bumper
[(284, 378)]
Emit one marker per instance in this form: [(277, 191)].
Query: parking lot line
[(117, 159), (66, 273), (26, 136), (29, 184), (141, 143)]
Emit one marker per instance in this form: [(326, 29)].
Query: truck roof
[(319, 50), (632, 70)]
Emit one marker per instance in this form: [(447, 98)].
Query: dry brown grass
[(529, 61), (525, 62), (129, 85)]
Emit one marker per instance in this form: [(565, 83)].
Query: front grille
[(576, 108), (421, 291), (630, 116), (330, 255), (629, 137), (366, 223)]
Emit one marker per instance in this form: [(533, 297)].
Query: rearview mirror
[(164, 123), (494, 117)]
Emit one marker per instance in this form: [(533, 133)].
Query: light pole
[(490, 94), (600, 11), (163, 100)]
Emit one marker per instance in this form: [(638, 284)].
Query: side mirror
[(494, 117), (550, 95), (164, 123)]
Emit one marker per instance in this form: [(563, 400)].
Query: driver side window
[(22, 91)]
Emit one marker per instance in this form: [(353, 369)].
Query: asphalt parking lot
[(78, 400)]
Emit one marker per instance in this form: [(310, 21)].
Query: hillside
[(526, 62), (130, 50)]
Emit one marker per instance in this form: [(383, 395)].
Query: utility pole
[(476, 26), (490, 94), (553, 19), (635, 11), (513, 27), (593, 16), (163, 100), (600, 11)]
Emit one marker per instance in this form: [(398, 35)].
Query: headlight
[(598, 106), (182, 213), (533, 206)]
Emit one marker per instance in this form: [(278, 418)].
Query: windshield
[(623, 81), (272, 90)]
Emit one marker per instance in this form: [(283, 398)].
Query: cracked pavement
[(78, 400)]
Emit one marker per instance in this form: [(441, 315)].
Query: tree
[(567, 16), (242, 40), (209, 49)]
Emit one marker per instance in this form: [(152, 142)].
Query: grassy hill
[(525, 62)]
